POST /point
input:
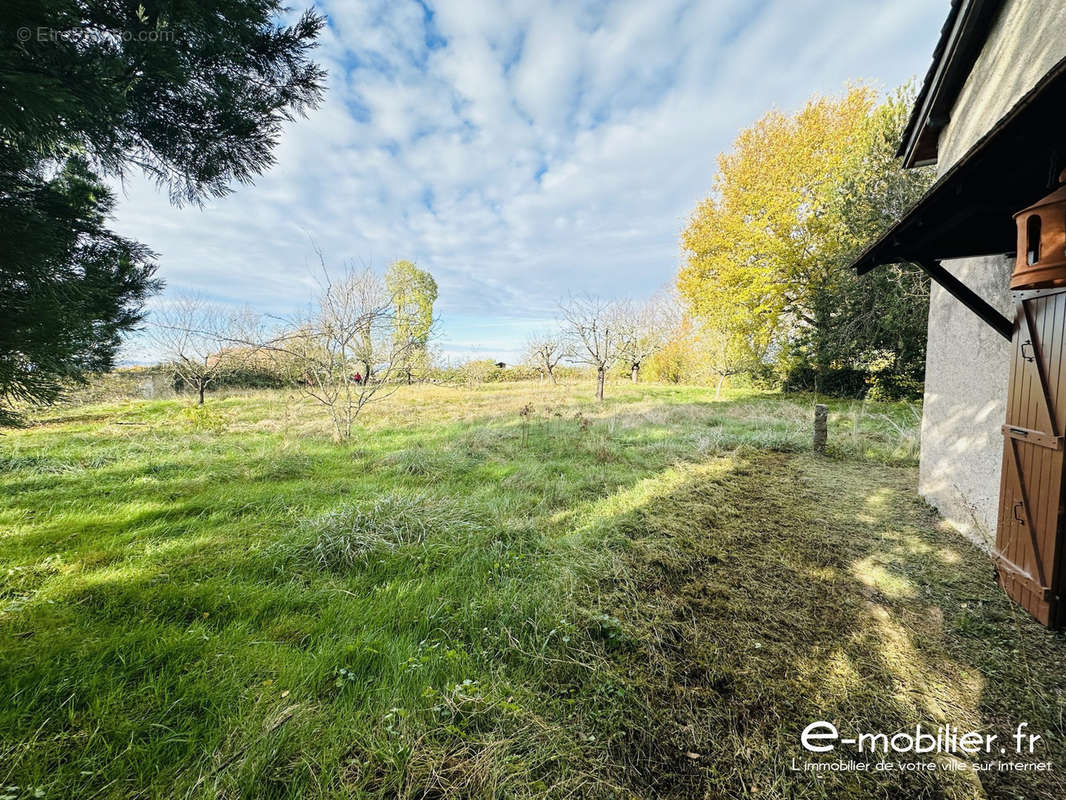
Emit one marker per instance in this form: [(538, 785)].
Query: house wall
[(967, 364), (1025, 43), (966, 372)]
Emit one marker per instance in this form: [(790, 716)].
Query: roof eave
[(1016, 162), (961, 39)]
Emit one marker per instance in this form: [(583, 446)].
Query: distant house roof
[(961, 39)]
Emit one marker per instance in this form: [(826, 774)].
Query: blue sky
[(518, 151)]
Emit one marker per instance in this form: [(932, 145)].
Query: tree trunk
[(551, 374), (718, 388), (202, 386), (601, 375), (635, 372)]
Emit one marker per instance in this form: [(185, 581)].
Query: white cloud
[(519, 151)]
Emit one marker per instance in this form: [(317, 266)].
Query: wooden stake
[(821, 415)]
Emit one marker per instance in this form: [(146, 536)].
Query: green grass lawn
[(495, 591)]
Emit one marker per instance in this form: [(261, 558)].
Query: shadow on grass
[(762, 596)]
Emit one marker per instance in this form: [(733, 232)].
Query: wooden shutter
[(1031, 486)]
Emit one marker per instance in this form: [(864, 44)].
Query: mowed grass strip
[(765, 591), (467, 599)]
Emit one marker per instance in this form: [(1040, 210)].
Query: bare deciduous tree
[(642, 333), (544, 350), (348, 351), (594, 329), (203, 342)]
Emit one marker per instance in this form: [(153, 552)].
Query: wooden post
[(821, 414)]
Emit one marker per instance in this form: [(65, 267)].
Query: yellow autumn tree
[(764, 255), (759, 240)]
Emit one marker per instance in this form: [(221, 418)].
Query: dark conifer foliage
[(69, 286), (192, 92)]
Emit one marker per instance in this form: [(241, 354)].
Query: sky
[(519, 151)]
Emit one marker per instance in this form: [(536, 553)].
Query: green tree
[(68, 286), (767, 254), (192, 93), (882, 316), (413, 292)]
